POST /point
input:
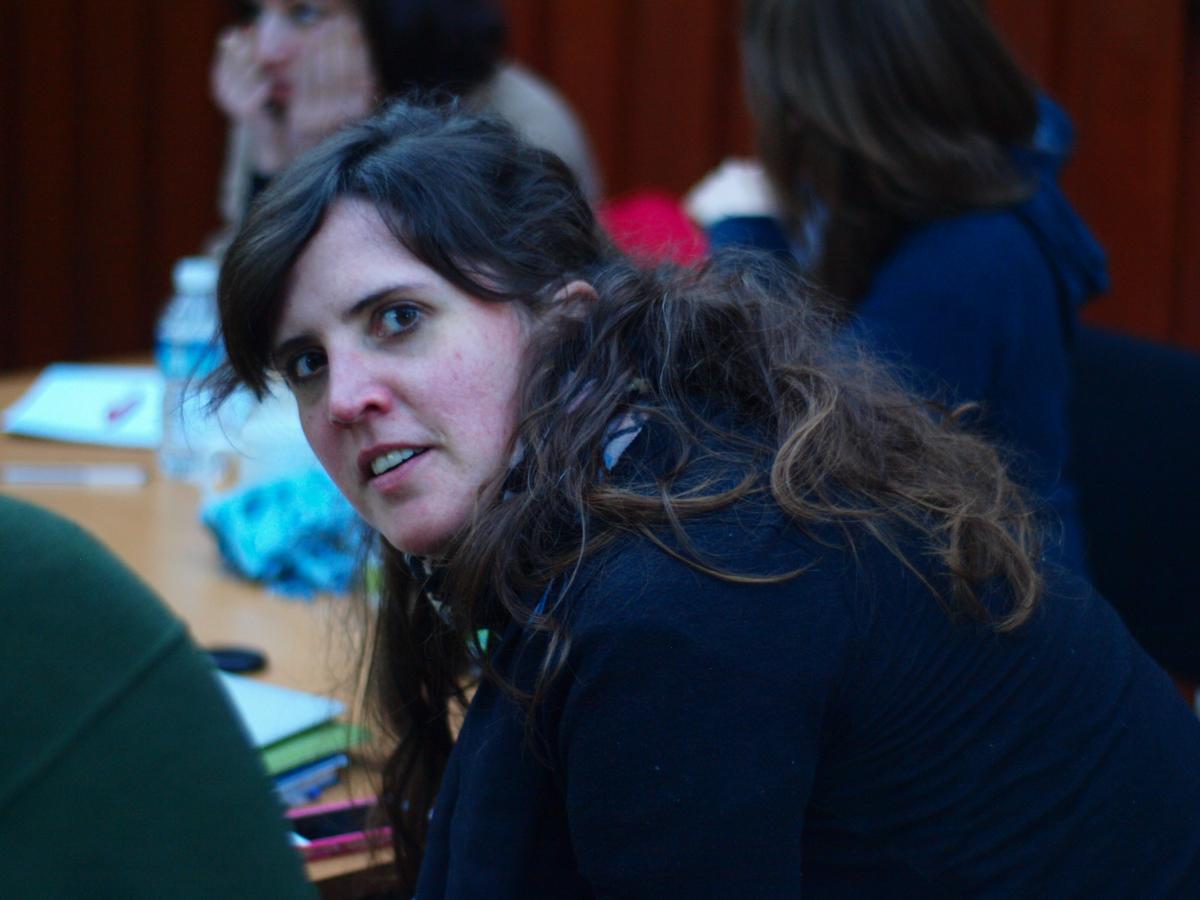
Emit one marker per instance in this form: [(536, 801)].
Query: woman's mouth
[(392, 459), (280, 94)]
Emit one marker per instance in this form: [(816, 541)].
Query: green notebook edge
[(315, 743)]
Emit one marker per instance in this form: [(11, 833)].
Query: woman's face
[(307, 45), (406, 386)]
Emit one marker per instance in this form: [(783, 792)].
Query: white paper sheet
[(118, 406), (271, 713)]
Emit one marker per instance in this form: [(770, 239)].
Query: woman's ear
[(575, 298)]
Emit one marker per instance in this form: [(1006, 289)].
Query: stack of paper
[(114, 405), (303, 747), (307, 763)]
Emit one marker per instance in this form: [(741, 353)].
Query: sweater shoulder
[(975, 254)]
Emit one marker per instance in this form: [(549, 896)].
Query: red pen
[(122, 408)]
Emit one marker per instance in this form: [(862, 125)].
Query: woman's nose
[(355, 392), (274, 38)]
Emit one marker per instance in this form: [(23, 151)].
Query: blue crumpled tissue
[(297, 534)]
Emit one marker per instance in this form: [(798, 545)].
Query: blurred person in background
[(911, 166), (297, 70)]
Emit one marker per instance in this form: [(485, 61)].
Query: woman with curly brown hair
[(756, 620)]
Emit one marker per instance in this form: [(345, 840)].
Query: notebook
[(271, 713), (307, 746), (118, 406)]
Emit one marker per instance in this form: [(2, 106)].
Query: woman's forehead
[(352, 253)]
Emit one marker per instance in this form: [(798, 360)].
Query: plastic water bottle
[(186, 350)]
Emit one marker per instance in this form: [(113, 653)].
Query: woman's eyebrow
[(365, 303), (277, 359), (354, 310)]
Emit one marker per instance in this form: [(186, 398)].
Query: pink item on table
[(652, 226)]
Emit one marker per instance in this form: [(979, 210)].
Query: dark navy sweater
[(834, 735), (980, 307)]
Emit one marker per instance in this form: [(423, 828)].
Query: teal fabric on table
[(123, 770), (297, 534)]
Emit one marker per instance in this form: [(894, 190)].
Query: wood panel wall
[(1127, 72), (1186, 309), (658, 82), (110, 151), (110, 148)]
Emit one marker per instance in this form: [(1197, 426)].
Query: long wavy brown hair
[(804, 417), (889, 113)]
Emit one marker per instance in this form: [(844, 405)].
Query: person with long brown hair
[(910, 167), (741, 615)]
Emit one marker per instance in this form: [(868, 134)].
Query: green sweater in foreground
[(123, 769)]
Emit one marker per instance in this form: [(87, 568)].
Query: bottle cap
[(195, 275)]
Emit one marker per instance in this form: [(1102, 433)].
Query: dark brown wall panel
[(1119, 68), (110, 147), (41, 226), (110, 111), (1032, 33), (656, 82), (582, 56), (186, 139), (674, 76), (1123, 78), (8, 164), (1185, 314), (733, 117), (527, 24)]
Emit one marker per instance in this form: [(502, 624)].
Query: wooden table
[(156, 531)]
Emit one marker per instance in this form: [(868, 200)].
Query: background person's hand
[(334, 84), (239, 85), (737, 187), (242, 90)]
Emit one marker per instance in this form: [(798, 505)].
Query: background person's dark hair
[(891, 113), (815, 427), (449, 45)]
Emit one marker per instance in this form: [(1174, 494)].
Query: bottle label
[(185, 360)]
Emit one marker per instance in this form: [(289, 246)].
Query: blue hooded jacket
[(981, 307)]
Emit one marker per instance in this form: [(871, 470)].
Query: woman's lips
[(280, 94), (395, 477)]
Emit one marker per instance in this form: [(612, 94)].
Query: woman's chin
[(420, 542)]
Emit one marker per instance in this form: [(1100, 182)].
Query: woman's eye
[(305, 14), (304, 366), (393, 320)]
